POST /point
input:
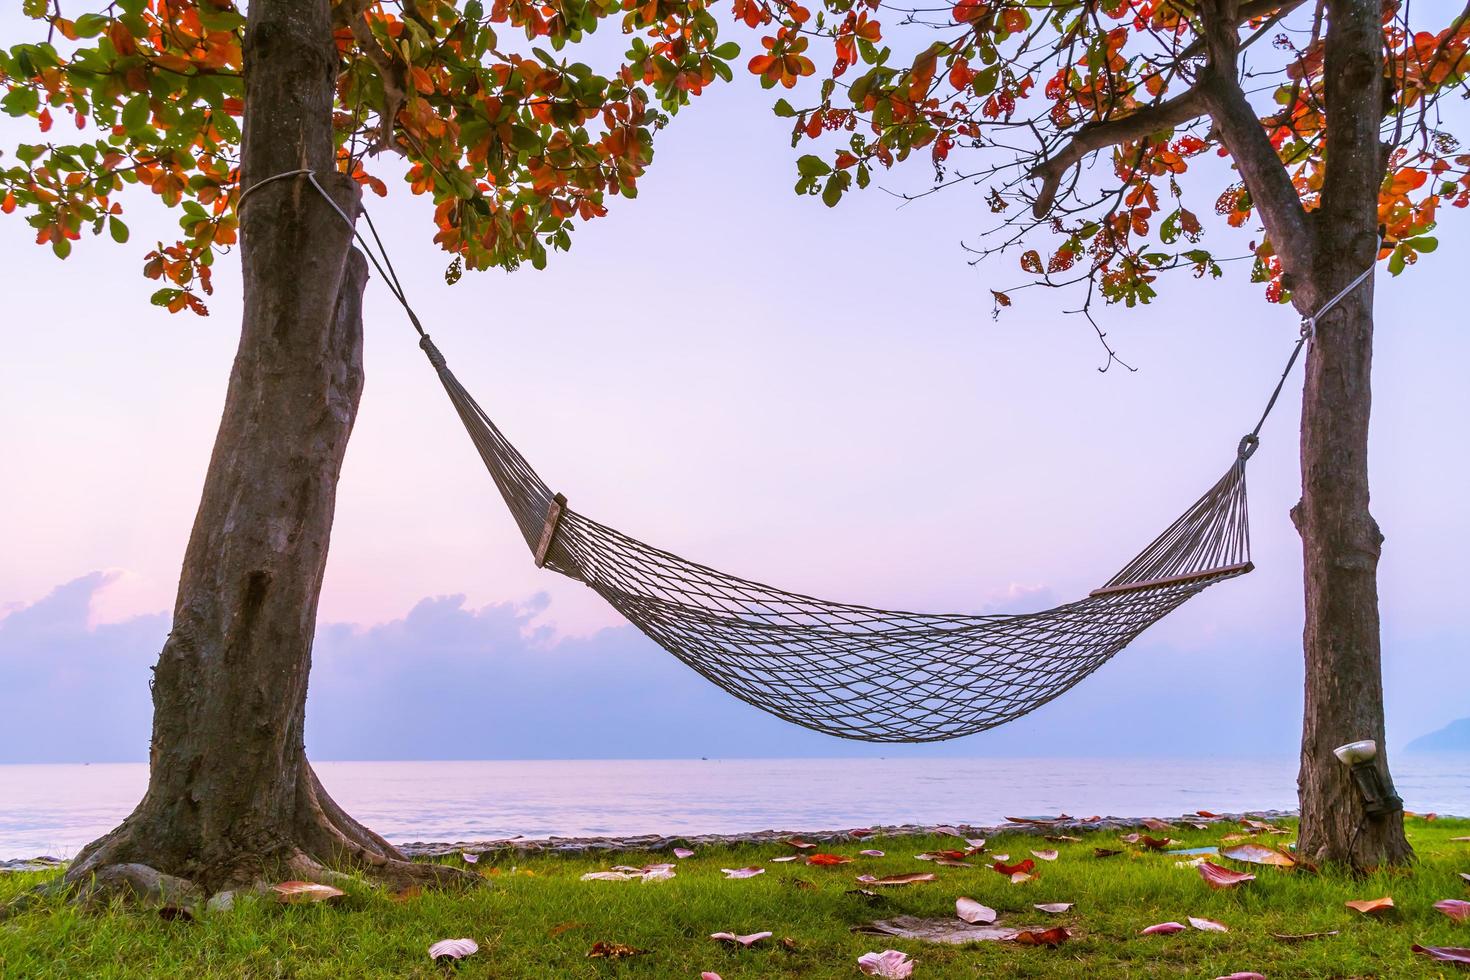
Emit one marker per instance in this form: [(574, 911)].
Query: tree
[(1347, 165), (511, 147)]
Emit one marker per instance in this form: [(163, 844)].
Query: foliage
[(538, 919), (1039, 86), (512, 146)]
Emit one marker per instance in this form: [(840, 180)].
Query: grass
[(537, 919)]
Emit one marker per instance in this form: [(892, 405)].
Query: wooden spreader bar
[(554, 510), (1239, 569)]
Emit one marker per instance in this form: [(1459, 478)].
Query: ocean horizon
[(55, 809)]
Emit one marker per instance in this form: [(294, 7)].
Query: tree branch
[(1095, 136), (350, 14), (1244, 14)]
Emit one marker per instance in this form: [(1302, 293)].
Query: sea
[(56, 809)]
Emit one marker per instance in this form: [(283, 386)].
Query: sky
[(815, 398)]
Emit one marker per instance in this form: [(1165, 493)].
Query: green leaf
[(784, 109), (812, 166), (728, 51), (135, 113), (1424, 243), (117, 229)]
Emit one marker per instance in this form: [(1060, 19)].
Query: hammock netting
[(853, 671)]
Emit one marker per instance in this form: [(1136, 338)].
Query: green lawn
[(536, 918)]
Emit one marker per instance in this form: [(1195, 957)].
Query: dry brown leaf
[(1371, 906), (1054, 936), (1153, 823), (1105, 852), (305, 892), (1218, 877), (612, 951), (892, 880), (799, 844), (1064, 838), (1253, 853)]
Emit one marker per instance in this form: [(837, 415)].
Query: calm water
[(57, 809)]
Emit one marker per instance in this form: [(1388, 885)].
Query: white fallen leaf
[(784, 858), (1054, 908), (453, 949), (610, 876), (743, 872), (889, 963), (871, 853), (1207, 925), (749, 940), (683, 852), (1045, 855), (469, 858), (973, 912), (304, 892)]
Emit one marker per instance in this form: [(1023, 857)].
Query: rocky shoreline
[(1040, 826)]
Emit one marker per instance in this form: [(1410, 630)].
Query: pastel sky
[(815, 398)]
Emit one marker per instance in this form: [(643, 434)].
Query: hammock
[(854, 671)]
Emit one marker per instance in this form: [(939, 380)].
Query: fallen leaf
[(453, 949), (562, 928), (1054, 936), (612, 951), (1025, 866), (305, 892), (1302, 936), (1206, 814), (799, 844), (939, 855), (709, 975), (683, 852), (1163, 929), (973, 912), (784, 858), (747, 941), (1054, 908), (1021, 877), (743, 872), (1371, 906), (889, 963), (1260, 826), (789, 944), (1153, 823), (888, 880), (610, 876), (861, 832), (1000, 857), (1105, 852), (947, 863), (1253, 853), (828, 859), (1152, 843), (1455, 908), (948, 831), (1207, 925), (952, 931), (1061, 838), (1045, 855), (1218, 877), (1244, 975), (975, 844), (469, 858), (656, 874), (1466, 876), (871, 853), (1445, 954), (1461, 840)]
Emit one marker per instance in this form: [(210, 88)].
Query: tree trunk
[(1340, 539), (231, 797)]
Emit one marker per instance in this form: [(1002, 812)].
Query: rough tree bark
[(231, 797), (1340, 539)]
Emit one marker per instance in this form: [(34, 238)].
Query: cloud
[(447, 681)]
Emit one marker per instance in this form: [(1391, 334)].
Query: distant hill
[(1454, 737)]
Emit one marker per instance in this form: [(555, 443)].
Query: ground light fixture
[(1378, 800)]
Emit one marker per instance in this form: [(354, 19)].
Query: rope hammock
[(849, 670)]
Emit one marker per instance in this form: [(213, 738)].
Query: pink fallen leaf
[(1207, 925), (709, 975), (453, 949), (1445, 954), (948, 831), (1152, 843), (889, 963), (975, 844), (828, 859), (1455, 908), (800, 844), (1054, 936), (1054, 908), (1371, 906), (888, 880), (1163, 929), (1218, 877), (949, 863), (1021, 877), (747, 940), (1153, 823), (861, 832), (305, 892), (1045, 855), (469, 858), (1243, 975), (973, 912), (683, 852), (743, 872), (1253, 853), (871, 853)]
